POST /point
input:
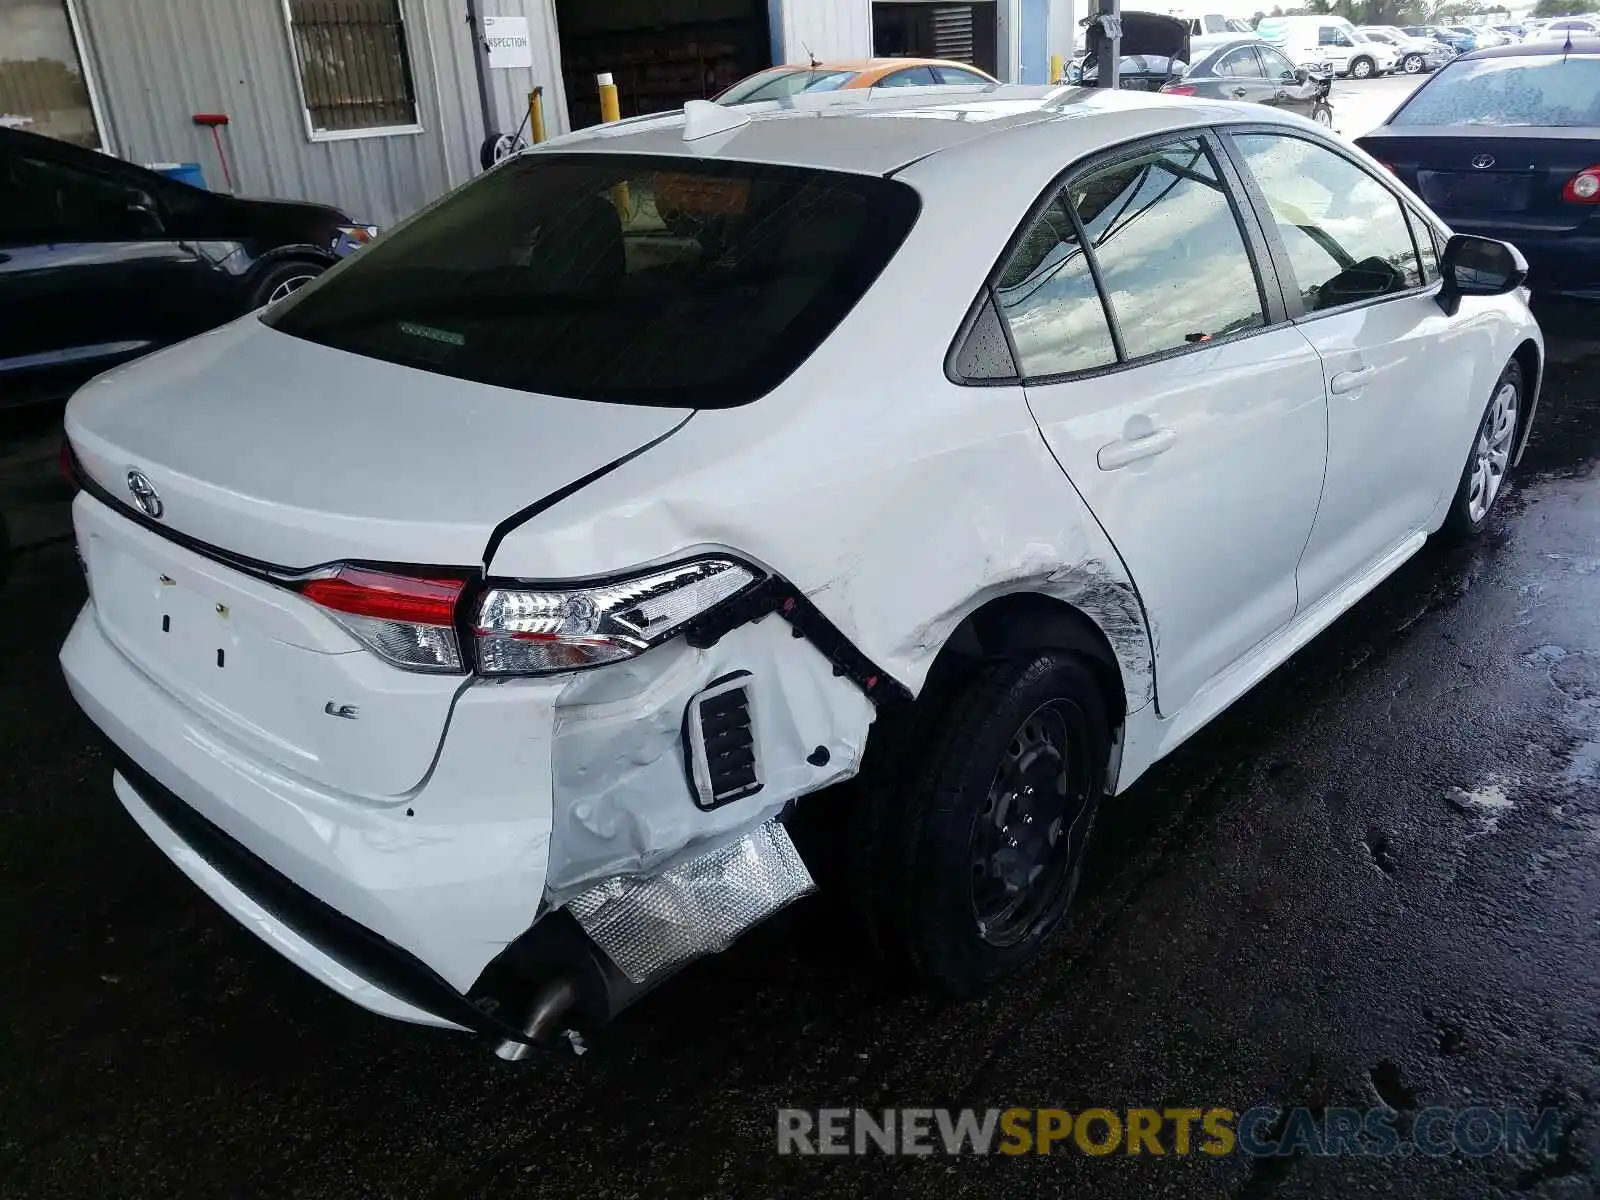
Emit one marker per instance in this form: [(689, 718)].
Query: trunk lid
[(1490, 178), (271, 449), (277, 449)]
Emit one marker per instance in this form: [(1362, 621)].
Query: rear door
[(1398, 370), (1243, 77), (1189, 415)]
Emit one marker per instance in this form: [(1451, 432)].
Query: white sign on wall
[(508, 43)]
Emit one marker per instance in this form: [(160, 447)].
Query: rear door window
[(1172, 258), (775, 85), (910, 77), (1345, 234), (624, 278), (1241, 64)]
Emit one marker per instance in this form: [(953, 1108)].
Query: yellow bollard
[(1057, 68), (536, 115), (610, 109)]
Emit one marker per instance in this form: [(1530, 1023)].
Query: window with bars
[(355, 73)]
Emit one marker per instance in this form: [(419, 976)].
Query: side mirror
[(1301, 75), (1478, 266)]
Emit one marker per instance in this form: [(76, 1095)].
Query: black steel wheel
[(968, 852)]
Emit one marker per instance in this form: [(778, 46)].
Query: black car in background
[(1505, 143), (102, 261), (1254, 72)]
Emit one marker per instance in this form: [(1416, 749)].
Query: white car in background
[(472, 624), (1563, 27), (1416, 54)]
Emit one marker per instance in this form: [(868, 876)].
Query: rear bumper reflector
[(651, 925)]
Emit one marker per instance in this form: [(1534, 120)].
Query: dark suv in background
[(102, 261)]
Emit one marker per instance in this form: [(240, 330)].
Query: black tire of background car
[(1412, 64), (1362, 67), (1322, 114), (910, 869), (1458, 524), (276, 274), (498, 146)]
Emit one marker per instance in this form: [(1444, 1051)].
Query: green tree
[(1554, 8)]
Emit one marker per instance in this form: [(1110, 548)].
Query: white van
[(1347, 49)]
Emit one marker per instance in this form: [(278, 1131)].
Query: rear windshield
[(629, 279), (775, 85), (1545, 90)]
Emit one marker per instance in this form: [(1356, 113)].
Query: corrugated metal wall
[(828, 28), (158, 62)]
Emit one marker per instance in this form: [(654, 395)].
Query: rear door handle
[(1283, 95), (1239, 93), (1124, 451), (1351, 381)]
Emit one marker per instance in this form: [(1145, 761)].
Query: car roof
[(868, 64), (878, 131), (1581, 44)]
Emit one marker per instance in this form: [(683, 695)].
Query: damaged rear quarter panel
[(623, 799)]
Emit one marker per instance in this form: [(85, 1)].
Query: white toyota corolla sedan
[(471, 625)]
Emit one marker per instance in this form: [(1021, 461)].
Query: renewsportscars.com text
[(1377, 1132)]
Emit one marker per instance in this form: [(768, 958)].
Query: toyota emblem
[(1483, 162), (145, 495)]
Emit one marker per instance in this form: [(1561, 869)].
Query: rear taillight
[(1178, 89), (1583, 188), (405, 620), (536, 631)]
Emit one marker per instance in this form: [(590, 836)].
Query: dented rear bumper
[(544, 792)]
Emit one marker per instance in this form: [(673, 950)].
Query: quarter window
[(1171, 256), (1345, 233), (355, 73), (1048, 298)]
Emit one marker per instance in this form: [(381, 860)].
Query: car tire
[(1322, 114), (281, 280), (1412, 64), (969, 845), (1488, 466), (1362, 68)]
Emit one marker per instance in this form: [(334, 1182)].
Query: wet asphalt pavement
[(1376, 880)]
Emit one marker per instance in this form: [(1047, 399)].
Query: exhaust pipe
[(550, 1006)]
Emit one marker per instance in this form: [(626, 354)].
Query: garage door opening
[(659, 52), (962, 32)]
